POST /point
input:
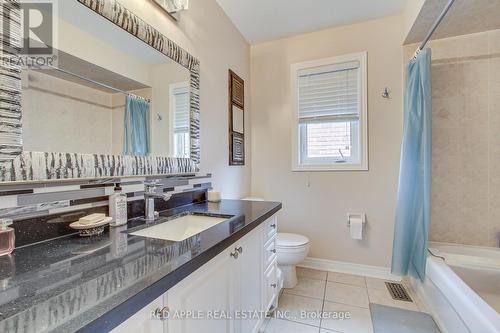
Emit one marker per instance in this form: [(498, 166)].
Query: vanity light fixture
[(173, 7)]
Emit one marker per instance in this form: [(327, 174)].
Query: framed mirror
[(120, 100)]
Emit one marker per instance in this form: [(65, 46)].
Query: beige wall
[(319, 210), (207, 33), (465, 190)]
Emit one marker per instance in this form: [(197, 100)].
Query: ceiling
[(264, 20), (464, 17)]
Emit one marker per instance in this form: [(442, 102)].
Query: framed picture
[(238, 149), (236, 119)]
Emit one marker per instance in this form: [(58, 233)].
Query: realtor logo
[(37, 21), (29, 32)]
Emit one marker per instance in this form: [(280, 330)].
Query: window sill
[(316, 168)]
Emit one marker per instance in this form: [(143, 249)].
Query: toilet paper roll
[(356, 227)]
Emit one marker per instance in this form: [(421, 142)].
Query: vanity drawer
[(270, 253), (270, 287), (271, 228)]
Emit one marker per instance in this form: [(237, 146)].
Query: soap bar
[(92, 218)]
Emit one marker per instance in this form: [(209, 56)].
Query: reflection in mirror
[(115, 96)]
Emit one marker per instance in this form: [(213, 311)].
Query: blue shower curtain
[(136, 132), (413, 198)]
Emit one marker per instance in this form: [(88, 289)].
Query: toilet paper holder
[(361, 216)]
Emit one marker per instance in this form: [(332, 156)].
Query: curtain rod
[(433, 29), (98, 83)]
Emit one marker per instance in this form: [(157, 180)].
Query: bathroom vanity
[(130, 283), (230, 293)]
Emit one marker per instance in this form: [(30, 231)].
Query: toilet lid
[(290, 240)]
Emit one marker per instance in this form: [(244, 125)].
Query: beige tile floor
[(326, 292)]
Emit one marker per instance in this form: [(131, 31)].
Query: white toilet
[(291, 249)]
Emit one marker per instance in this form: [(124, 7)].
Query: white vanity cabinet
[(211, 287), (248, 270), (241, 281), (238, 282)]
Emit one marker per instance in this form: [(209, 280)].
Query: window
[(330, 122), (179, 101)]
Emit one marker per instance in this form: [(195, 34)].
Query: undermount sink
[(181, 228)]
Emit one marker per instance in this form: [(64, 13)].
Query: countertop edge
[(131, 306)]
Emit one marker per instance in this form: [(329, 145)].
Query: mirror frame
[(18, 165)]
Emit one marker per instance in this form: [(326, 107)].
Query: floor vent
[(398, 292)]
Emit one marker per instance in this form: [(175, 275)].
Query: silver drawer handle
[(273, 251), (274, 285), (273, 225), (235, 255), (239, 249)]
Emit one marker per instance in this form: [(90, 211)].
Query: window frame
[(362, 165)]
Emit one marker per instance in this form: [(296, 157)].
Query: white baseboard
[(349, 268)]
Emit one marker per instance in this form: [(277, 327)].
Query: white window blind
[(181, 142), (330, 104), (181, 112), (329, 92)]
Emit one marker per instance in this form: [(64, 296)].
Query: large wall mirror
[(121, 100)]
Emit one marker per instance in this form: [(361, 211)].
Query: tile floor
[(332, 293)]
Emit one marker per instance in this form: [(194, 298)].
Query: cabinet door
[(142, 321), (208, 289), (249, 291)]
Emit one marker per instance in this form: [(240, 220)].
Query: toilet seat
[(287, 241)]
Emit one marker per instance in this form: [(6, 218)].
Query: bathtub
[(462, 288)]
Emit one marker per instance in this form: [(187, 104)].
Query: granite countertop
[(92, 285)]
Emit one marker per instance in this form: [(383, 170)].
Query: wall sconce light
[(173, 7)]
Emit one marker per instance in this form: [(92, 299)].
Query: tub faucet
[(149, 200)]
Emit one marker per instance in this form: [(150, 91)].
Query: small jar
[(7, 237)]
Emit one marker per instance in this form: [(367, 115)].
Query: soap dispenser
[(118, 207), (7, 237)]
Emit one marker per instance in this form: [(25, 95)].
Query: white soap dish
[(91, 229)]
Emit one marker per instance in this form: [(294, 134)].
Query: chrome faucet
[(149, 200)]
